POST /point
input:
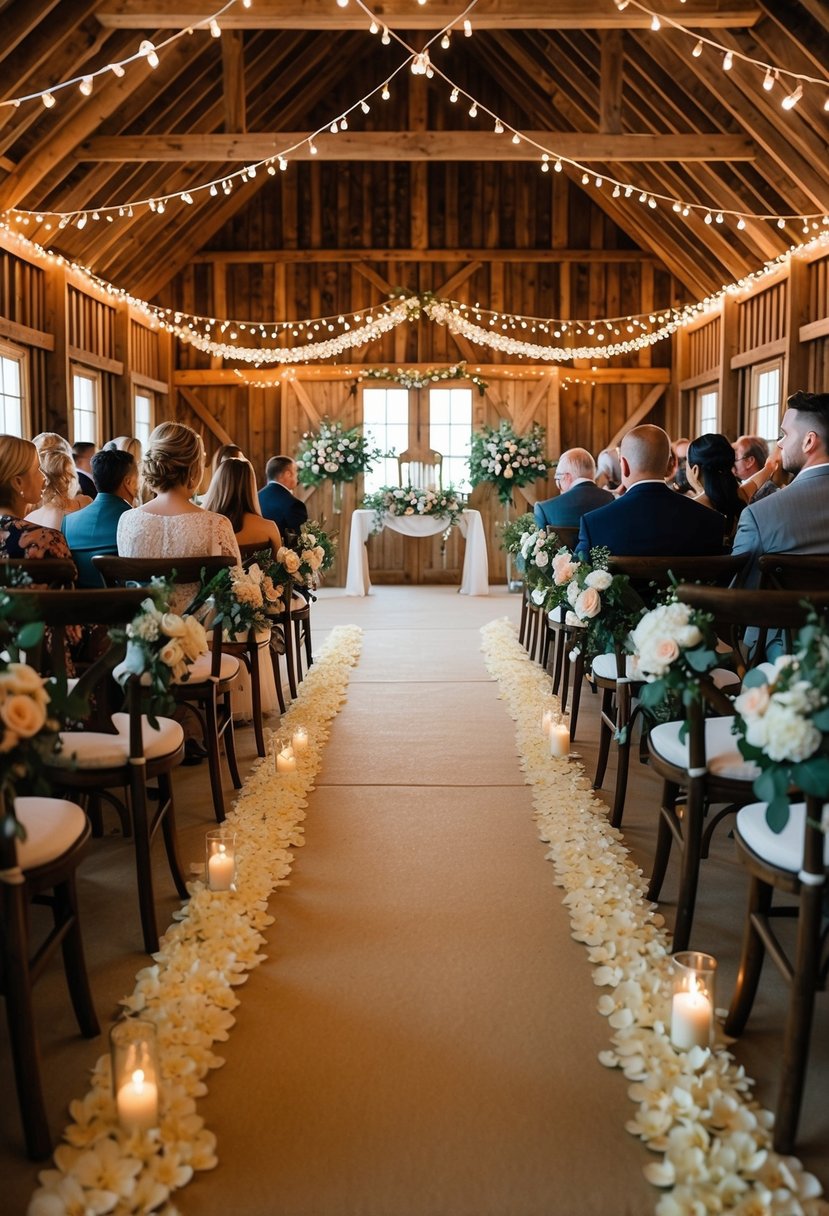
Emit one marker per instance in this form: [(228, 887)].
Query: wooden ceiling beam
[(415, 146), (488, 14), (280, 256), (233, 70)]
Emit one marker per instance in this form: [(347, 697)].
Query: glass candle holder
[(548, 717), (299, 740), (220, 850), (692, 1000), (560, 736), (284, 760), (135, 1073)]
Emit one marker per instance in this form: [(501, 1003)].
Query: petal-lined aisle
[(421, 1039)]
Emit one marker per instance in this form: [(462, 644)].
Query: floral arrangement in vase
[(334, 453), (161, 647), (504, 458), (783, 723), (414, 500)]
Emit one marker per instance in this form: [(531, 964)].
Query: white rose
[(600, 579), (542, 560), (790, 736), (573, 592)]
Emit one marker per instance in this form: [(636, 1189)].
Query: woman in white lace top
[(171, 525)]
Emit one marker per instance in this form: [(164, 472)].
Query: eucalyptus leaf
[(777, 813)]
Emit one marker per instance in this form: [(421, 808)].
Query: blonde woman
[(21, 484), (61, 488), (171, 525)]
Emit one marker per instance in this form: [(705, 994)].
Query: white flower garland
[(188, 990), (693, 1107)]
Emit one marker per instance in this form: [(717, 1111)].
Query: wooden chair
[(420, 469), (707, 765), (43, 571), (40, 870), (290, 634), (207, 694), (114, 750), (791, 572), (796, 862), (611, 673)]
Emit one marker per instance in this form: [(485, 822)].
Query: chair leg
[(751, 959), (168, 827), (256, 701), (578, 680), (799, 1018), (664, 840), (558, 659), (522, 624), (229, 736), (692, 830), (604, 737), (143, 864), (298, 650), (309, 649), (290, 661), (74, 963), (211, 742), (624, 726), (19, 1014), (564, 691)]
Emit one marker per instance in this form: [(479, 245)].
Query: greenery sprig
[(413, 378)]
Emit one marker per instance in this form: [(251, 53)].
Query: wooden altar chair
[(423, 470)]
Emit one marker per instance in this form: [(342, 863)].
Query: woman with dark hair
[(227, 451), (711, 476), (232, 492)]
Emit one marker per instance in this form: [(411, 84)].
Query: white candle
[(559, 739), (221, 870), (137, 1103), (286, 761), (547, 719), (691, 1019), (300, 741)]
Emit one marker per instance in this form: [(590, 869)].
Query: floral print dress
[(21, 539)]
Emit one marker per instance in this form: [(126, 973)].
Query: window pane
[(386, 425), (11, 395), (450, 433), (84, 408), (707, 411), (143, 417), (764, 414)]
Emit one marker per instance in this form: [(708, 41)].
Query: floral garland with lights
[(412, 378), (506, 459), (189, 988), (413, 500), (334, 453), (693, 1107)]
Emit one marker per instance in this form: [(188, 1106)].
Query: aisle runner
[(188, 991), (694, 1107)]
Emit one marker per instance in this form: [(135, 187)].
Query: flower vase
[(337, 497), (513, 584)]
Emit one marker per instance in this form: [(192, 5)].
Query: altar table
[(475, 575)]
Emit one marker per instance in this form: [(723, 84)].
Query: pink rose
[(666, 651), (589, 604), (753, 701)]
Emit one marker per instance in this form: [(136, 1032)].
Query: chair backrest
[(786, 610), (567, 536), (118, 571), (661, 572), (423, 470), (795, 571), (43, 571)]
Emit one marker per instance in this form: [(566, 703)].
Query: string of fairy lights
[(320, 338), (420, 63)]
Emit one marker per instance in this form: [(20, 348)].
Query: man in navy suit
[(650, 519), (795, 520), (94, 529), (578, 492), (278, 501), (82, 454)]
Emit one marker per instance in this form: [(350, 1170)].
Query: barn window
[(450, 432), (143, 415), (13, 394), (386, 424), (86, 395), (707, 411), (764, 405)]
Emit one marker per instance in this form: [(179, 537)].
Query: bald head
[(645, 455)]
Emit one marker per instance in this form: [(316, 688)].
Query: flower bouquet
[(161, 647), (414, 500), (334, 453), (674, 647), (506, 459), (514, 533), (783, 723), (315, 547)]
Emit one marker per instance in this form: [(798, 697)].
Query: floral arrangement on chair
[(161, 646), (514, 533), (783, 723), (414, 500), (501, 456), (673, 648), (334, 453)]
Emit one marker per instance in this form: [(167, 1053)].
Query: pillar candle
[(137, 1103), (559, 740), (691, 1018), (286, 761), (221, 870), (300, 741)]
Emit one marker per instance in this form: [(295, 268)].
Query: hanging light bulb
[(768, 81), (373, 28), (697, 51), (385, 94), (386, 38), (48, 99), (453, 96), (342, 3), (516, 138), (656, 24), (719, 217), (473, 110), (213, 190), (741, 223), (651, 202), (343, 123), (147, 49), (617, 190), (365, 107), (116, 69), (215, 28), (86, 86), (727, 61), (585, 179), (789, 103), (446, 41), (499, 127), (81, 221), (467, 28), (312, 147)]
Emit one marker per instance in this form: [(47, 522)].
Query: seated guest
[(21, 483), (60, 495), (650, 519), (277, 498), (82, 454), (578, 492), (711, 476), (94, 529), (228, 451), (608, 472), (232, 493), (750, 456), (171, 525), (797, 519), (679, 448), (129, 443)]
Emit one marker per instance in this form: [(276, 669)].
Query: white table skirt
[(475, 576)]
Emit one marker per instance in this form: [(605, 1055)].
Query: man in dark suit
[(795, 520), (278, 501), (650, 519), (82, 454), (578, 492), (94, 529)]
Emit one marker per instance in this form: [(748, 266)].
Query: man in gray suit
[(577, 492), (797, 519)]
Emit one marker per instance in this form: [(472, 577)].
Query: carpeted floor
[(422, 1039)]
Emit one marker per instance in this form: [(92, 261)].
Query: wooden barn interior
[(259, 178)]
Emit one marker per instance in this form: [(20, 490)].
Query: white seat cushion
[(604, 666), (556, 617), (721, 751), (52, 826), (200, 671), (94, 749), (782, 849)]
